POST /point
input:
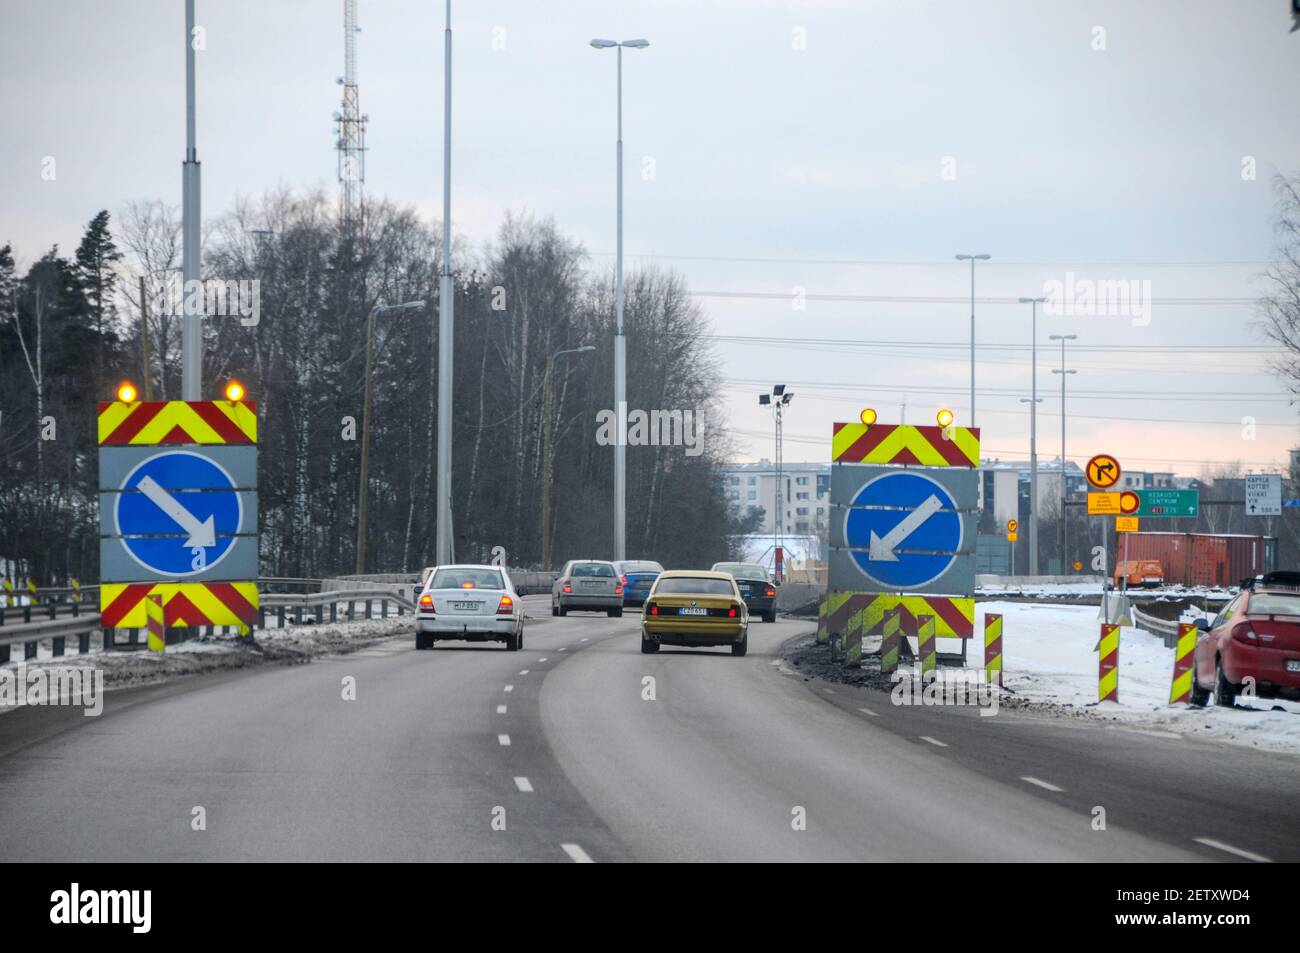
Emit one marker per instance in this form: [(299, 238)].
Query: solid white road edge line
[(934, 741), (1220, 845)]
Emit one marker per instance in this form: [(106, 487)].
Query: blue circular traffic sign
[(172, 516), (903, 529)]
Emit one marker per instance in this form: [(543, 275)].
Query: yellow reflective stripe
[(967, 443), (176, 413), (1108, 682), (112, 416), (846, 437), (1181, 687), (1109, 643), (240, 416)]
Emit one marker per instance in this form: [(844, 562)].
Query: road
[(560, 742)]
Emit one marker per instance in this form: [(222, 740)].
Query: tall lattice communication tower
[(350, 124)]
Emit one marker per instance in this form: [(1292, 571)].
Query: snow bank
[(1048, 656)]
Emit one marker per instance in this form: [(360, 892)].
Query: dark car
[(756, 589), (637, 575), (1255, 637)]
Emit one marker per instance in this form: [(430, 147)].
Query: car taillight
[(618, 590), (653, 609), (506, 606), (567, 587), (771, 591), (623, 580), (426, 603), (1242, 632), (731, 613), (467, 585)]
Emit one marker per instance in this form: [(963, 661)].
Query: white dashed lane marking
[(509, 688), (1228, 848), (868, 711), (523, 672), (1042, 784), (503, 740), (540, 661), (501, 709), (577, 854), (524, 785)]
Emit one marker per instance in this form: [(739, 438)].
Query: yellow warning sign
[(1126, 524), (1103, 504)]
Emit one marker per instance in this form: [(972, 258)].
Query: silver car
[(474, 603), (591, 584)]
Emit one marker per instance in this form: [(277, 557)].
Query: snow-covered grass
[(1048, 655), (1093, 588)]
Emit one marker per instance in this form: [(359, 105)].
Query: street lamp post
[(1062, 533), (620, 342), (546, 450), (446, 322), (191, 237), (1033, 434), (363, 490), (972, 259), (779, 399)]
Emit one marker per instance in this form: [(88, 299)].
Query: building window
[(751, 495), (751, 481), (801, 496), (802, 481)]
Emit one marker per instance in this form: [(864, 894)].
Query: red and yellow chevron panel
[(954, 616), (993, 647), (905, 444), (149, 423), (1180, 690), (122, 605)]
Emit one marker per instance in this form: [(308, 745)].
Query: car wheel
[(741, 647), (1225, 693), (562, 610), (423, 640), (769, 616), (512, 642), (648, 647), (555, 610), (616, 613), (1199, 695)]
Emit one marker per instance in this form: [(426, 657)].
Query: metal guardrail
[(1168, 631), (29, 634)]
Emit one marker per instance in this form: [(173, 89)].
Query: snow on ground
[(1048, 656), (1093, 588)]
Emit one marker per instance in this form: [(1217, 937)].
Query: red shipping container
[(1201, 559)]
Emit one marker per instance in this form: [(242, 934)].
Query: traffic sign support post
[(1103, 472)]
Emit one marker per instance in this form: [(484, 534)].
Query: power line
[(944, 345), (934, 299), (941, 262)]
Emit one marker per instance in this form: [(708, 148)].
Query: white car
[(473, 603)]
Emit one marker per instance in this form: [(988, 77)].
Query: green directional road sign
[(1171, 503)]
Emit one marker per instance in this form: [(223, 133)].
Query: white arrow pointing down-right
[(882, 549), (201, 534)]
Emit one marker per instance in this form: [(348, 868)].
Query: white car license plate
[(692, 611), (466, 606), (1293, 665)]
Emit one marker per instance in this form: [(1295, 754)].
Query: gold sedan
[(696, 608)]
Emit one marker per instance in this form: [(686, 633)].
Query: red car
[(1255, 637)]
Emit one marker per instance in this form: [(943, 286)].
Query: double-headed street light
[(779, 399), (1033, 434), (972, 259), (1061, 534), (546, 450), (620, 342), (363, 491)]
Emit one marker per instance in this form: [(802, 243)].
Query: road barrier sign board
[(905, 531), (1012, 537), (1168, 503), (178, 511), (1126, 524), (1103, 471), (1263, 494)]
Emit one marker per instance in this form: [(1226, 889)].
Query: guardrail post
[(352, 610), (27, 613), (57, 645), (4, 653), (83, 643), (53, 611), (261, 615), (334, 612), (29, 650), (2, 615), (133, 637), (367, 608), (279, 611), (298, 614), (110, 640), (383, 608)]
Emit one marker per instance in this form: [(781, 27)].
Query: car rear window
[(1273, 603), (467, 579), (742, 570), (693, 585), (593, 569), (642, 567)]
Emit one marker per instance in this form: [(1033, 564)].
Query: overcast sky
[(794, 145)]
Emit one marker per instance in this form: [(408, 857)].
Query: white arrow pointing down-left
[(201, 534), (882, 550)]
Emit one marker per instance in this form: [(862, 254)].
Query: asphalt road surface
[(560, 744)]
